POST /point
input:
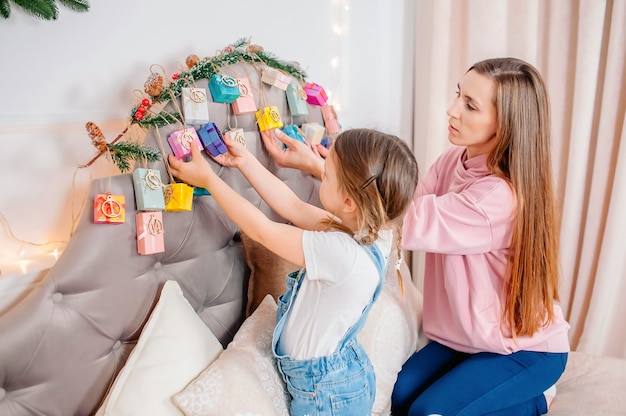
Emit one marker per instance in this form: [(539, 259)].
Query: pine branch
[(125, 152), (5, 9), (76, 5), (43, 9)]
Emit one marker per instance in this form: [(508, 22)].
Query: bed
[(186, 331)]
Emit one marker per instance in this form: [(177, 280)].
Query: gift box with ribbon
[(245, 102), (236, 135), (211, 139), (296, 99), (150, 232), (181, 141), (313, 132), (268, 118), (195, 107), (294, 132), (148, 189), (315, 94), (224, 89), (178, 197), (330, 119), (275, 78), (109, 209)]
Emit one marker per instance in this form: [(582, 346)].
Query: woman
[(485, 216)]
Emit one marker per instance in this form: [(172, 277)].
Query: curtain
[(580, 48)]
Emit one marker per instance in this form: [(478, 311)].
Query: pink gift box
[(330, 119), (181, 140), (245, 103), (315, 94), (150, 232)]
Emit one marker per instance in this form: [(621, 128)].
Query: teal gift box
[(294, 132), (224, 89), (296, 99), (148, 190)]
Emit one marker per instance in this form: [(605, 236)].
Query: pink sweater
[(462, 217)]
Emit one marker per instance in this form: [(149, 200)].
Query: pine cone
[(192, 60), (255, 48), (153, 85)]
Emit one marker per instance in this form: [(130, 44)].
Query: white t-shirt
[(340, 281)]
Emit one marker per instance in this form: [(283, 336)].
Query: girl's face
[(473, 116), (331, 196)]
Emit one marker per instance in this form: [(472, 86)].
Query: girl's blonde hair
[(379, 172), (522, 156)]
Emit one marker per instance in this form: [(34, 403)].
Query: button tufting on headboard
[(60, 361)]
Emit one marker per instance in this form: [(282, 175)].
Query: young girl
[(368, 182), (485, 215)]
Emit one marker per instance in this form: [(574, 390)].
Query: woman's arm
[(282, 239)]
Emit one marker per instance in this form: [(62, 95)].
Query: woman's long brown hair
[(522, 156)]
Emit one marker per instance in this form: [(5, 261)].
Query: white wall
[(55, 76)]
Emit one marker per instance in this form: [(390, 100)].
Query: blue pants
[(440, 380)]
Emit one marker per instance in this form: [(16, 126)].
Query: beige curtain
[(580, 48)]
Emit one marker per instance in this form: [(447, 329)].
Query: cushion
[(247, 365), (173, 347), (268, 272), (244, 379)]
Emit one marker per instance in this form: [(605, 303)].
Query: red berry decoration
[(145, 102), (141, 109), (175, 75), (139, 115)]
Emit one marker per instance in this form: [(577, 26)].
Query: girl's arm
[(282, 239), (273, 191), (305, 157)]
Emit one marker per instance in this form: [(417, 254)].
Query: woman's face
[(473, 117)]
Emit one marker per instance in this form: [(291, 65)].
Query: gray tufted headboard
[(61, 347)]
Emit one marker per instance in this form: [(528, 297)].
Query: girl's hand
[(196, 172), (235, 156), (298, 155)]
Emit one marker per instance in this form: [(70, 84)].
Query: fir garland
[(42, 9), (239, 51), (125, 152)]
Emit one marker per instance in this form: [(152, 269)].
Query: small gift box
[(245, 102), (224, 89), (211, 139), (178, 197), (181, 141), (275, 78), (315, 94), (294, 132), (313, 132), (195, 107), (268, 118), (150, 232), (296, 99), (236, 135), (148, 189), (109, 209), (330, 119)]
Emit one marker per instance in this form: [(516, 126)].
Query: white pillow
[(174, 346), (244, 380)]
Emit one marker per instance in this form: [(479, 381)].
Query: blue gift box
[(294, 132), (148, 190), (212, 140), (296, 99), (224, 89)]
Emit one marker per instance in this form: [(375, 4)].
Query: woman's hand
[(298, 155)]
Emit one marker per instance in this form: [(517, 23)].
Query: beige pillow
[(267, 273), (245, 379)]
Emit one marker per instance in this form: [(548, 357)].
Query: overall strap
[(381, 265)]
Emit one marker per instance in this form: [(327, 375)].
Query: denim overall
[(342, 383)]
